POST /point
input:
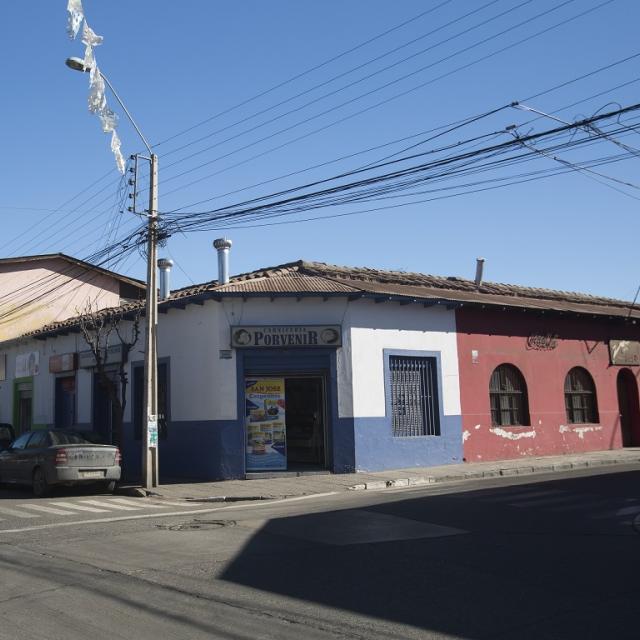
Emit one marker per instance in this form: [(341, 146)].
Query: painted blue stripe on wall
[(378, 450)]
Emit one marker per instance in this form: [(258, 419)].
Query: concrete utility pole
[(150, 469)]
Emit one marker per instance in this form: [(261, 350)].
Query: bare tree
[(102, 329)]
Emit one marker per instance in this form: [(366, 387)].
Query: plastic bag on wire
[(97, 98), (108, 119), (90, 37), (76, 16), (115, 147)]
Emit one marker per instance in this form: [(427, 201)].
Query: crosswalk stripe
[(594, 504), (138, 504), (78, 507), (108, 505), (179, 504), (542, 502), (525, 495), (15, 512), (40, 507), (626, 511)]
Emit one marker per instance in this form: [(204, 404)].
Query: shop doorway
[(24, 407), (285, 423), (103, 409), (65, 402), (629, 407), (305, 422)]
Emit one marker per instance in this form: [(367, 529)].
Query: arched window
[(580, 397), (508, 394)]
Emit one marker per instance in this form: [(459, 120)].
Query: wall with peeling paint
[(488, 338)]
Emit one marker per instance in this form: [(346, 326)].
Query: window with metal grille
[(508, 395), (580, 397), (414, 396)]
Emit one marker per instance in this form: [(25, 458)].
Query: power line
[(304, 73), (376, 105)]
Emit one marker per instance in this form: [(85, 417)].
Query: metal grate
[(580, 397), (508, 396), (414, 396)]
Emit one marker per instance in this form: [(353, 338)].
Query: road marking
[(525, 495), (40, 507), (79, 507), (145, 516), (626, 511), (15, 512), (137, 504), (108, 505), (594, 504), (542, 502)]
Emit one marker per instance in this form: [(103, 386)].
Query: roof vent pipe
[(164, 264), (479, 271), (222, 246)]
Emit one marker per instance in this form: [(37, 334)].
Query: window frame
[(521, 398), (588, 399), (438, 413)]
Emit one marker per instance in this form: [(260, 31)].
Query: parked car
[(6, 435), (49, 457)]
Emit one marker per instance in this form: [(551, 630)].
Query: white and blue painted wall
[(206, 431)]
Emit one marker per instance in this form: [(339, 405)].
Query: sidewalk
[(269, 488)]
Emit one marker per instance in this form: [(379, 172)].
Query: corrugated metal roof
[(317, 278)]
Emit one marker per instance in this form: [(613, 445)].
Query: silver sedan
[(49, 457)]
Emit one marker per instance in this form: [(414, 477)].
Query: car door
[(32, 455), (9, 469)]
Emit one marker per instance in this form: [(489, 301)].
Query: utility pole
[(150, 471)]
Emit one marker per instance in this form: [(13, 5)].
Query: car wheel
[(41, 488), (109, 486)]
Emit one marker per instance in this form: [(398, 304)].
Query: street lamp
[(150, 409)]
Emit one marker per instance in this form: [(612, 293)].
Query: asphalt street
[(551, 557)]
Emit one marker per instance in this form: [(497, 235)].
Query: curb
[(490, 473)]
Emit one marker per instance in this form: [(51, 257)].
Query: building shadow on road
[(458, 565)]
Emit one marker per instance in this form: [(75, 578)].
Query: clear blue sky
[(176, 64)]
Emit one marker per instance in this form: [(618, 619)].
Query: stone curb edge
[(416, 481)]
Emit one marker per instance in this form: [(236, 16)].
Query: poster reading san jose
[(265, 419)]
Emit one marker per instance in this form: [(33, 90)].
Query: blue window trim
[(386, 354)]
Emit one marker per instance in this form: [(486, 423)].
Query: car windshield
[(69, 437)]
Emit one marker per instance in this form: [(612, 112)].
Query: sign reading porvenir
[(286, 336), (624, 352)]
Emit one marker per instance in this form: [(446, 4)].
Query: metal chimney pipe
[(479, 271), (164, 264), (222, 246)]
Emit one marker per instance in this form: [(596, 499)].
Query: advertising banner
[(266, 446)]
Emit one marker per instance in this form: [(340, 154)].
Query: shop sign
[(286, 336), (62, 362), (27, 364), (624, 352), (112, 355), (266, 444)]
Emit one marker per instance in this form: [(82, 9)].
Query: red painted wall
[(501, 337)]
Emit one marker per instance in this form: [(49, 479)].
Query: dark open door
[(305, 421), (629, 405)]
